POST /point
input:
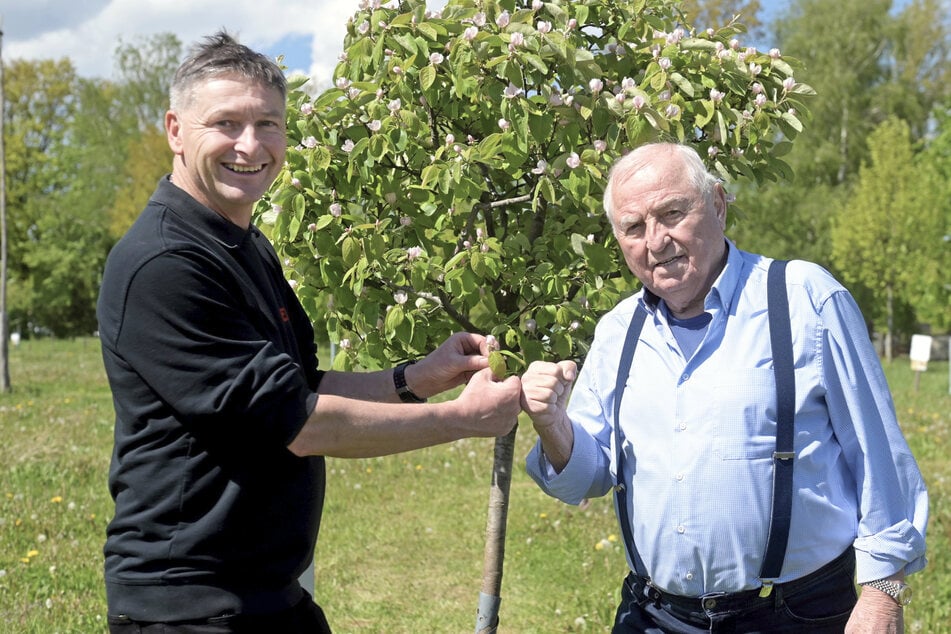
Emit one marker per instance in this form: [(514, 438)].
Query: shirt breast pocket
[(744, 425)]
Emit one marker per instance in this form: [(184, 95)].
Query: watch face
[(904, 595)]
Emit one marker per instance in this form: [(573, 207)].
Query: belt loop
[(778, 597)]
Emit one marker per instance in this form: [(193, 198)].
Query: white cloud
[(88, 32)]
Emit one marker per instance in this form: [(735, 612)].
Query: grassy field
[(401, 545)]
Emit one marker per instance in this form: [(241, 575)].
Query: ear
[(720, 204), (173, 131)]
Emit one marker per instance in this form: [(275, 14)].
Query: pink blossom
[(760, 100), (536, 5), (639, 102), (405, 221), (540, 167), (628, 84), (312, 227), (344, 344), (735, 44), (600, 145), (755, 69), (479, 19), (436, 58), (400, 297), (505, 125), (543, 26), (336, 210), (672, 111), (595, 85), (375, 125), (364, 28), (516, 41), (788, 84), (503, 20), (572, 24), (414, 252), (512, 91), (394, 106), (343, 83), (573, 160), (307, 109), (757, 88), (450, 138), (715, 95), (664, 63), (309, 142), (712, 151), (347, 146), (531, 325), (774, 53), (470, 33)]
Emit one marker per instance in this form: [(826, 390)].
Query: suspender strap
[(624, 368), (780, 335)]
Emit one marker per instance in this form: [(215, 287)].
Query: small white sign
[(920, 352)]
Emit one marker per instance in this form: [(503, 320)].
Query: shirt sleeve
[(201, 348), (892, 498)]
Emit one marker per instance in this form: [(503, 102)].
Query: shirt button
[(689, 576), (709, 604), (684, 377), (679, 477), (681, 529), (682, 426)]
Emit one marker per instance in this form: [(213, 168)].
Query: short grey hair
[(641, 156), (220, 55)]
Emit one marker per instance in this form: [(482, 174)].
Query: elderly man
[(758, 466), (222, 417)]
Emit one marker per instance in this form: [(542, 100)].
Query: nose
[(657, 237), (246, 140)]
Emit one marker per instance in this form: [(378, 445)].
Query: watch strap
[(897, 590), (399, 381)]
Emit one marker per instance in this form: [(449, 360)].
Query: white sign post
[(920, 354)]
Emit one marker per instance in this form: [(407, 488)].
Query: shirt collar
[(197, 215)]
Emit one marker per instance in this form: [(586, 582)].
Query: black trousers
[(820, 602), (304, 618)]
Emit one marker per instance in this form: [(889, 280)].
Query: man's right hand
[(491, 406), (545, 390)]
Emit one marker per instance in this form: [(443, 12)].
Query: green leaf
[(427, 76)]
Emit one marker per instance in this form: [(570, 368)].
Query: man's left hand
[(452, 363)]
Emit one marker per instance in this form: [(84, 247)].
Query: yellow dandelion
[(32, 553), (369, 469), (9, 496), (419, 467), (56, 499), (25, 560), (18, 522), (599, 546), (543, 515), (612, 538)]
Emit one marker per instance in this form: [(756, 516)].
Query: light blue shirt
[(699, 433)]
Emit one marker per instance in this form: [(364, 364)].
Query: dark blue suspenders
[(781, 341)]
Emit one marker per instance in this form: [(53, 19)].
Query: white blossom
[(470, 33), (436, 58), (573, 160), (503, 20), (543, 26)]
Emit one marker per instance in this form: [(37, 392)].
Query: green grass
[(402, 540)]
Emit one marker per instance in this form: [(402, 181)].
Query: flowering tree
[(452, 176), (451, 179)]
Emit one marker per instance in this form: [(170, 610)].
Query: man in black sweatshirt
[(222, 417)]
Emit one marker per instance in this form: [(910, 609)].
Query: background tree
[(867, 61), (887, 230)]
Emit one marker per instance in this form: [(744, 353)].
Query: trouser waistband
[(739, 602)]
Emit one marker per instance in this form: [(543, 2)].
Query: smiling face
[(229, 142), (670, 233)]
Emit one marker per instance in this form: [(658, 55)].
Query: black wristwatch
[(895, 589), (399, 380)]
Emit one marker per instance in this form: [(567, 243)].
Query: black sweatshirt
[(213, 369)]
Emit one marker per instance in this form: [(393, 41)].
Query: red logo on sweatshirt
[(284, 316)]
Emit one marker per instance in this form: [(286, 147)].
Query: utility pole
[(4, 322)]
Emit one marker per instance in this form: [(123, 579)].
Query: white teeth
[(244, 169)]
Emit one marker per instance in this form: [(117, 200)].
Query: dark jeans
[(304, 618), (818, 603)]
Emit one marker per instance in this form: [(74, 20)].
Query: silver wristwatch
[(895, 589)]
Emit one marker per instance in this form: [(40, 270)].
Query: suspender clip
[(784, 455), (767, 588), (619, 487)]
